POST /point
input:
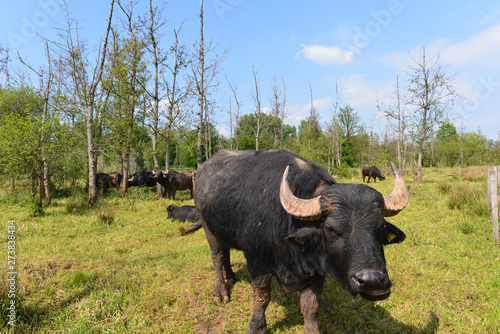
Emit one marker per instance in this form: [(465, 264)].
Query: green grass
[(122, 267)]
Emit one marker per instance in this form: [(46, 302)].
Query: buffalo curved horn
[(303, 209), (398, 199)]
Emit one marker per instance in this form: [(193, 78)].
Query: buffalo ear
[(392, 234), (302, 236), (170, 208)]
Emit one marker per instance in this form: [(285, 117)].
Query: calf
[(183, 213)]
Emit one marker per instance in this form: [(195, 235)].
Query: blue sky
[(361, 45)]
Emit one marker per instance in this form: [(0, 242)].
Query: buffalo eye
[(334, 230)]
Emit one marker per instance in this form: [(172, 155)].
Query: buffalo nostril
[(369, 278)]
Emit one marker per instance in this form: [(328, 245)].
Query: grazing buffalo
[(293, 221), (142, 178), (173, 181), (183, 213), (115, 179), (372, 172)]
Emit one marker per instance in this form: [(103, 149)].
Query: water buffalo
[(183, 213), (173, 181), (142, 178), (294, 222), (102, 181), (115, 179), (373, 172)]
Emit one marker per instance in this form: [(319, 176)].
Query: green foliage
[(446, 131)]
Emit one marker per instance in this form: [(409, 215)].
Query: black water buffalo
[(372, 172), (115, 179), (142, 178), (102, 181), (293, 221), (183, 213), (173, 181)]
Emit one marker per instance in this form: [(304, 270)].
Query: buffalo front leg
[(261, 298), (309, 305)]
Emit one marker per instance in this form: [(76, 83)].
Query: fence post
[(488, 195), (494, 202), (498, 174)]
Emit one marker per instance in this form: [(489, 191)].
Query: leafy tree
[(446, 131), (26, 139)]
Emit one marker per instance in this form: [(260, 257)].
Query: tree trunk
[(91, 156), (419, 164), (201, 89)]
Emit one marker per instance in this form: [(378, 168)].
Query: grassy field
[(122, 267)]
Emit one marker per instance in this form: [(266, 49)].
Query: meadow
[(122, 267)]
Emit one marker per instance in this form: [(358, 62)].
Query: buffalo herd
[(171, 181), (292, 220)]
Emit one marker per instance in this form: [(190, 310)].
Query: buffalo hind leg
[(261, 298), (219, 260), (309, 305), (229, 274)]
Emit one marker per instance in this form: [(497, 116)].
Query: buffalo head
[(345, 226)]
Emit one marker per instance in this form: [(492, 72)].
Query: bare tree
[(128, 79), (335, 133), (237, 114), (176, 93), (153, 22), (283, 115), (276, 111), (201, 89), (428, 91), (397, 113), (85, 87), (258, 110), (46, 80)]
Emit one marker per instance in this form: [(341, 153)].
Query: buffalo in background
[(294, 222), (103, 181), (172, 181), (142, 178), (115, 179), (372, 172), (183, 213)]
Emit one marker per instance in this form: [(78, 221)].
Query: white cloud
[(486, 43), (481, 49), (326, 55), (358, 92), (296, 113)]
